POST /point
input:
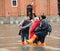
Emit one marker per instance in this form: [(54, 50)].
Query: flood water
[(10, 40)]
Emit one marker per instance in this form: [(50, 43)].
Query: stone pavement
[(9, 39)]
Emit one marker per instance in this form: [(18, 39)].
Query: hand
[(20, 27)]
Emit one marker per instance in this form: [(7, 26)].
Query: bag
[(49, 29), (19, 32)]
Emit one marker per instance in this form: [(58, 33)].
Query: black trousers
[(24, 36), (41, 37)]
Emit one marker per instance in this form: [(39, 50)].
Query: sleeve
[(28, 25), (35, 24), (43, 25), (20, 24)]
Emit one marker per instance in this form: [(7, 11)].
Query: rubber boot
[(32, 39), (22, 43), (39, 43), (34, 44), (43, 44)]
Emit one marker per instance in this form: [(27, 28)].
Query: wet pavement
[(9, 39)]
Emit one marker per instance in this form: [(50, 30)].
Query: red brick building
[(18, 7)]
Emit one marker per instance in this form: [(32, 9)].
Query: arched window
[(14, 3)]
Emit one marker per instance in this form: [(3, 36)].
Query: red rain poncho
[(35, 24)]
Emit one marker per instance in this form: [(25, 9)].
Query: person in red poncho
[(33, 27)]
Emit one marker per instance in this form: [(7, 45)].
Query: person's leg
[(38, 41), (32, 39), (35, 42), (27, 36), (22, 39), (40, 37), (43, 39)]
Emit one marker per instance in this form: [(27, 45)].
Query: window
[(14, 3)]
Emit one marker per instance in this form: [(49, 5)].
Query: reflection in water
[(32, 48), (24, 48), (39, 49)]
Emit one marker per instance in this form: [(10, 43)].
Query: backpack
[(49, 29)]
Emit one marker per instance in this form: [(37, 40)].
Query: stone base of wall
[(16, 20)]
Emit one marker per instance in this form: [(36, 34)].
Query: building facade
[(18, 7)]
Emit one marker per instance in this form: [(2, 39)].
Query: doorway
[(29, 11), (59, 7)]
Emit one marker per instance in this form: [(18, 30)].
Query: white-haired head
[(36, 18)]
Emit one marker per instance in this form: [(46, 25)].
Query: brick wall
[(53, 7), (48, 7), (1, 7), (9, 10), (41, 7)]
